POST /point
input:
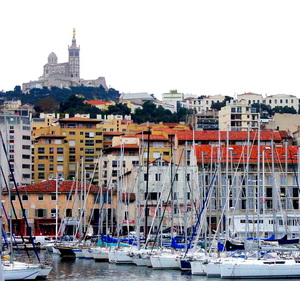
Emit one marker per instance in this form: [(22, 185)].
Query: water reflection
[(83, 269)]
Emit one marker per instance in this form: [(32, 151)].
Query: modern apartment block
[(68, 149), (238, 116), (16, 138)]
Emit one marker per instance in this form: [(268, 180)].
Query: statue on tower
[(74, 32)]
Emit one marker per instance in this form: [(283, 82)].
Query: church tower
[(74, 59)]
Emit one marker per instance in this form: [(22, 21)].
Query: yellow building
[(60, 151)]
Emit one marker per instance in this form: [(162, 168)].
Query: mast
[(274, 191), (1, 225), (147, 185)]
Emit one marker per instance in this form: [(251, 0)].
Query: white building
[(251, 98), (205, 102), (16, 134), (282, 100)]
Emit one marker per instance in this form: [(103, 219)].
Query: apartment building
[(240, 188), (238, 116), (15, 149), (66, 148)]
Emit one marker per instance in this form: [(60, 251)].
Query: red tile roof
[(97, 102), (233, 135), (238, 153), (152, 137), (50, 186)]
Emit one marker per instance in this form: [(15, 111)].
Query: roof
[(97, 102), (152, 137), (80, 119), (50, 186), (222, 135), (239, 153)]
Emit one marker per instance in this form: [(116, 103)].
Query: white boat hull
[(198, 268), (261, 269)]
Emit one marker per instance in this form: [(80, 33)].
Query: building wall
[(16, 133)]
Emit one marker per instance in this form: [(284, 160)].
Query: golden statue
[(74, 32)]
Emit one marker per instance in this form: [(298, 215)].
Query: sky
[(193, 46)]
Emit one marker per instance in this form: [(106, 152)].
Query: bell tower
[(74, 59)]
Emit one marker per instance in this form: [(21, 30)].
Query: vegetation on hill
[(61, 95)]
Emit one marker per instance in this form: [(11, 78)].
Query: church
[(63, 75)]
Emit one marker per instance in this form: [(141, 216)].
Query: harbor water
[(89, 270)]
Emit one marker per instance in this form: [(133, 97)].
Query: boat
[(260, 268)]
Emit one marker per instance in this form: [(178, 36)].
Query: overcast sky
[(197, 47)]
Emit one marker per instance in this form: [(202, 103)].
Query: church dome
[(52, 58)]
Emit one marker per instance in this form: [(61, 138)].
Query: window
[(72, 142), (89, 151), (60, 150), (157, 177), (72, 150), (41, 167), (13, 197), (89, 134), (40, 213), (26, 137), (98, 141), (68, 213), (69, 197), (24, 197), (60, 159), (25, 166), (53, 197), (51, 150), (98, 133), (58, 141), (188, 177), (26, 176), (11, 137), (51, 167), (40, 197), (72, 158), (89, 143), (53, 213), (41, 175), (25, 156), (72, 133), (135, 163)]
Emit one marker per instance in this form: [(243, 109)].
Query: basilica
[(63, 75)]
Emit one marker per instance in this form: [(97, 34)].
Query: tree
[(118, 109), (47, 105)]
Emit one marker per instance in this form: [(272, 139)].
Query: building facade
[(16, 156)]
